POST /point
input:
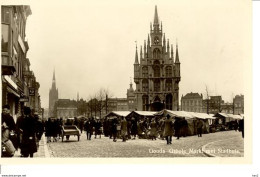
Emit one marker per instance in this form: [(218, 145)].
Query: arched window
[(168, 85), (156, 53), (156, 70), (145, 71), (157, 85), (145, 85), (168, 71), (169, 101), (145, 102)]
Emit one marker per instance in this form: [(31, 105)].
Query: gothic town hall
[(157, 72)]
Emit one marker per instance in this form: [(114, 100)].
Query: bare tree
[(207, 94)]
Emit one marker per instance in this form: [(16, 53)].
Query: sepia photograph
[(127, 79)]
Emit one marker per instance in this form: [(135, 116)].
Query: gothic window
[(156, 53), (168, 71), (156, 71), (168, 85), (169, 101), (145, 102), (145, 85), (145, 71), (157, 85)]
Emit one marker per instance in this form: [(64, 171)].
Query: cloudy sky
[(91, 44)]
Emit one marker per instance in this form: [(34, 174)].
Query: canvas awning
[(175, 113), (202, 115), (118, 113)]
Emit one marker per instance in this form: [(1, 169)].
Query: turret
[(171, 51), (177, 62), (164, 44), (168, 48), (141, 53), (136, 67), (145, 52)]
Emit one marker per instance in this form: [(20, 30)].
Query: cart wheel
[(78, 137)]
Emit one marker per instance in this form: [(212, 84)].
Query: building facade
[(65, 108), (53, 96), (238, 102), (157, 73), (131, 98), (212, 105), (227, 108), (19, 85), (192, 102)]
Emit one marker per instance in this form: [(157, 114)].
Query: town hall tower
[(157, 74)]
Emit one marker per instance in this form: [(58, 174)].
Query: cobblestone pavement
[(184, 147)]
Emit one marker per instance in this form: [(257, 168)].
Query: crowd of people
[(25, 134)]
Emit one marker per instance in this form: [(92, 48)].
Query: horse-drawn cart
[(68, 130)]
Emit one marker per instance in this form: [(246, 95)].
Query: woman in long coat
[(28, 127), (168, 129), (153, 131)]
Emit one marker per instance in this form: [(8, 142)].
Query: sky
[(91, 44)]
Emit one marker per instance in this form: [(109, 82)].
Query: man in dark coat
[(168, 129), (124, 129), (8, 129), (114, 124), (177, 127), (28, 127), (89, 128), (129, 125), (7, 119), (39, 129), (97, 126), (133, 127), (241, 127), (199, 127), (48, 130)]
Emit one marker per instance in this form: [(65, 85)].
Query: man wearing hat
[(168, 129), (7, 119)]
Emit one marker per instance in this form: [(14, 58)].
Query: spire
[(53, 78), (171, 51), (131, 84), (53, 81), (136, 55), (145, 49), (77, 96), (177, 55), (164, 39), (168, 46), (141, 53), (161, 25), (156, 19), (148, 41)]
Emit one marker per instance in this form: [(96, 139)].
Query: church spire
[(156, 19), (53, 80)]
